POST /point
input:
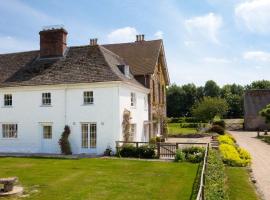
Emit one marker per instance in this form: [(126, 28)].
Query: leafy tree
[(64, 142), (211, 89), (200, 93), (265, 113), (262, 84), (175, 95), (209, 107)]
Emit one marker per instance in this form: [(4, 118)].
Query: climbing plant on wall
[(126, 124)]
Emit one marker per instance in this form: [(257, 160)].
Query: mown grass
[(100, 179), (175, 129), (239, 185)]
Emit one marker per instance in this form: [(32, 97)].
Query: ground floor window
[(9, 130), (47, 132), (89, 135)]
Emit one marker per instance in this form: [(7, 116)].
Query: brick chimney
[(139, 38), (53, 42)]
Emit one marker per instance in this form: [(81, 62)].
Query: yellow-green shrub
[(226, 139), (233, 157)]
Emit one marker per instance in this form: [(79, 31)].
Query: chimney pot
[(93, 42), (53, 42), (139, 38)]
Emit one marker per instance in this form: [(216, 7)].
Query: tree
[(262, 84), (175, 95), (211, 89), (265, 113), (210, 107)]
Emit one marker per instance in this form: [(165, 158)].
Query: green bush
[(190, 154), (220, 123), (146, 151), (180, 156), (217, 129), (128, 150), (189, 125), (215, 178)]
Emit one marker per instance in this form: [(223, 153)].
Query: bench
[(8, 183)]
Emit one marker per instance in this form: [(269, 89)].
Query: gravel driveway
[(260, 153)]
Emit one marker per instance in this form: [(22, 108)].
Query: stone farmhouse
[(87, 88)]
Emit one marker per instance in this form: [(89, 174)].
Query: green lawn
[(175, 129), (239, 185), (97, 179)]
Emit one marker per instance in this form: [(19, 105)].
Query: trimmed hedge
[(232, 154), (220, 123), (217, 129), (144, 151), (215, 177), (185, 120)]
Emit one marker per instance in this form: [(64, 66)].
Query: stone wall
[(254, 101)]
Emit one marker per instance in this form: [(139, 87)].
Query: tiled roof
[(85, 64), (141, 56)]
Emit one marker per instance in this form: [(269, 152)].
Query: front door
[(47, 138), (88, 137)]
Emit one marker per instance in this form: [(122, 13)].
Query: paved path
[(260, 153)]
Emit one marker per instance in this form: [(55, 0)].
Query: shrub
[(215, 177), (146, 151), (64, 142), (189, 125), (217, 129), (190, 154), (128, 150), (220, 123), (226, 139), (232, 157), (180, 156)]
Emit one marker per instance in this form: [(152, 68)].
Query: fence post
[(158, 149)]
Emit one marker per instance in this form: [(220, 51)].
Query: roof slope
[(85, 64), (141, 56)]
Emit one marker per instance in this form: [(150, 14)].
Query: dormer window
[(125, 70)]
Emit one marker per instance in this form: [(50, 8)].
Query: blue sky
[(224, 40)]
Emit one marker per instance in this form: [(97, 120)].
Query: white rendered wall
[(67, 108)]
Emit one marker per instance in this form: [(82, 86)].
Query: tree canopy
[(265, 113)]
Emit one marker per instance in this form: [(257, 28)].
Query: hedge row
[(215, 177), (185, 120), (144, 151), (232, 154), (190, 154)]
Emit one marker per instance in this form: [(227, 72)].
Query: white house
[(85, 87)]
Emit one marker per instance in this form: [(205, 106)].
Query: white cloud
[(159, 34), (260, 56), (10, 44), (207, 26), (255, 15), (216, 60), (126, 34)]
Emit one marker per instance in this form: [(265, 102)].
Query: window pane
[(93, 135), (88, 97), (47, 132), (7, 100), (46, 98), (84, 135), (9, 130), (132, 132)]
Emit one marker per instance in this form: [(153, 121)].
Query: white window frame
[(8, 100), (133, 132), (7, 127), (88, 98), (133, 99), (46, 99), (90, 141), (47, 136)]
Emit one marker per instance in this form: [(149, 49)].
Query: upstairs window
[(88, 97), (133, 129), (8, 100), (9, 130), (133, 99), (46, 99)]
